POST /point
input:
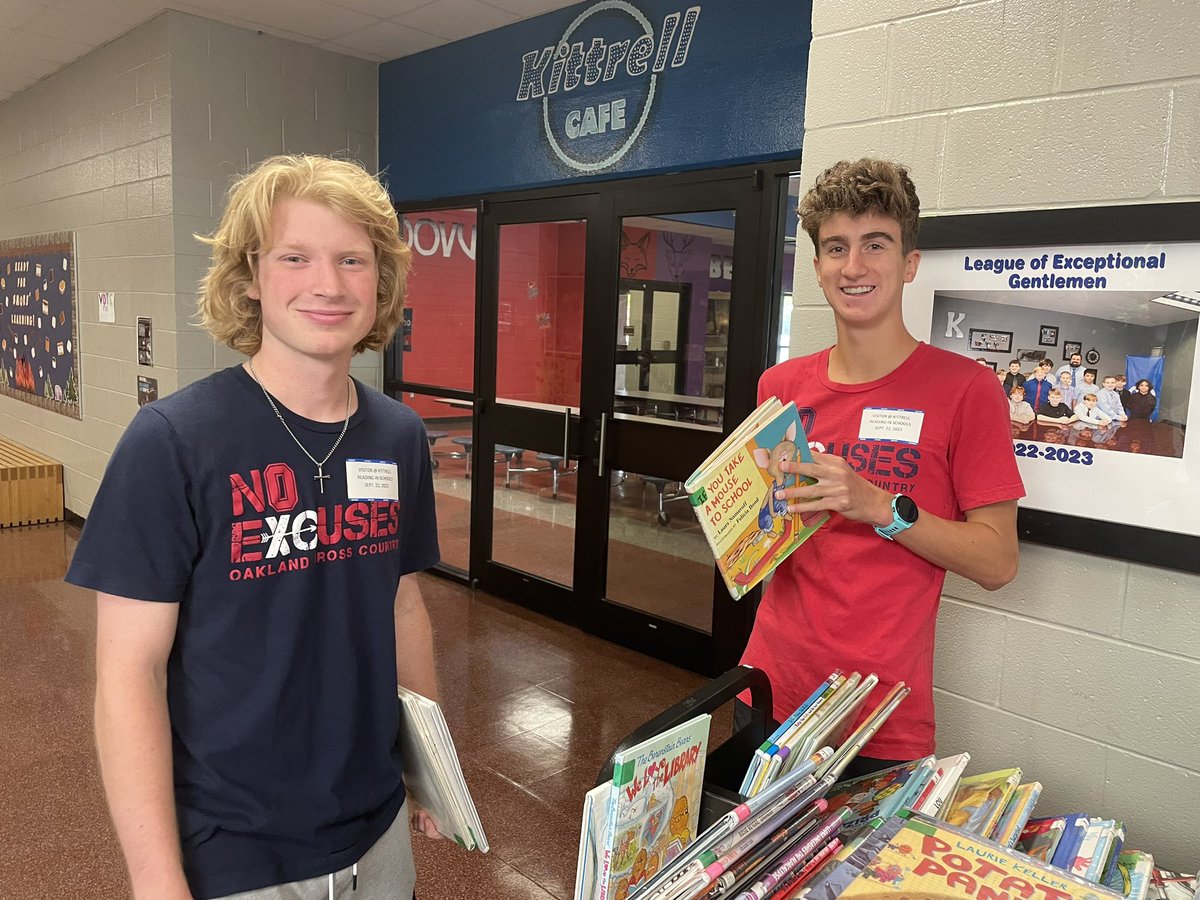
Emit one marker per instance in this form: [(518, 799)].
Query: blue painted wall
[(674, 86)]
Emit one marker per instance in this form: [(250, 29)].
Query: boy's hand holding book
[(423, 823), (838, 489)]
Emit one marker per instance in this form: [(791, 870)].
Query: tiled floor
[(536, 708)]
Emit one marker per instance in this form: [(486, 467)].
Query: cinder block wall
[(89, 150), (240, 96), (133, 147), (1085, 671)]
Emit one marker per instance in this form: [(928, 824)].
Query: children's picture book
[(1114, 851), (877, 794), (979, 800), (1131, 875), (1096, 835), (1017, 813), (1039, 838), (867, 729), (1168, 885), (941, 788), (587, 863), (856, 853), (653, 806), (1068, 845), (748, 528), (765, 757), (934, 860), (432, 772)]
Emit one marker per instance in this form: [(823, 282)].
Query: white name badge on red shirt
[(883, 424), (372, 479)]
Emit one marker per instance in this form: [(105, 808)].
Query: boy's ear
[(911, 262)]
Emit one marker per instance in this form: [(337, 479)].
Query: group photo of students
[(1125, 386)]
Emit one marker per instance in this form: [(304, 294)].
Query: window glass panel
[(793, 237), (673, 318), (437, 338), (540, 318), (533, 513), (448, 427), (658, 559)]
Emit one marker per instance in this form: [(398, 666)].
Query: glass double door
[(619, 335)]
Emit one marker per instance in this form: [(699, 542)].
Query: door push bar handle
[(566, 433), (600, 454)]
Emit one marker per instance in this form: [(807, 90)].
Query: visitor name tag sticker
[(372, 479), (883, 424)]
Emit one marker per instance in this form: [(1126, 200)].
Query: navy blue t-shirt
[(282, 679)]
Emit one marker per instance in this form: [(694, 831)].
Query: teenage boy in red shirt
[(912, 453)]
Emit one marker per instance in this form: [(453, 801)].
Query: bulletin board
[(39, 322)]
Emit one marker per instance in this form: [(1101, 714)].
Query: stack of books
[(823, 719), (913, 855), (770, 844), (922, 828), (432, 773)]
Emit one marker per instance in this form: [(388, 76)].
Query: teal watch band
[(904, 516)]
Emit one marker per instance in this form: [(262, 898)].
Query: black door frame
[(751, 345)]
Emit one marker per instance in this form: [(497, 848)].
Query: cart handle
[(705, 699)]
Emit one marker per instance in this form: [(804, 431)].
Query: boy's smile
[(861, 266)]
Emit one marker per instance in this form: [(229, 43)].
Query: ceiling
[(39, 37), (1130, 307)]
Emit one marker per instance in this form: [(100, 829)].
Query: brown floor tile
[(522, 759)]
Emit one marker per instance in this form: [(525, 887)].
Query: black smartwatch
[(904, 516)]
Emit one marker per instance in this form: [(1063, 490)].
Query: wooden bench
[(31, 486)]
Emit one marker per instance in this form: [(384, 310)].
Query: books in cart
[(732, 492), (933, 860), (646, 815), (879, 794), (432, 772), (979, 800)]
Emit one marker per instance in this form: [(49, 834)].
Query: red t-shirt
[(849, 598)]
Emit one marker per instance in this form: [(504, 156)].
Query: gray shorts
[(385, 872)]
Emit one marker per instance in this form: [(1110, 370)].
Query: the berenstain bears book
[(748, 528), (653, 808)]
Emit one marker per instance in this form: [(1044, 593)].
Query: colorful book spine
[(796, 858), (771, 744), (1017, 813)]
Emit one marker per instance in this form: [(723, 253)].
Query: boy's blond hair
[(865, 186), (344, 187)]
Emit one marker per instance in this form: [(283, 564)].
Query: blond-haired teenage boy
[(252, 545), (913, 454)]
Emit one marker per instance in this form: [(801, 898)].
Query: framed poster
[(39, 322), (988, 339), (1130, 488), (1049, 336), (145, 341)]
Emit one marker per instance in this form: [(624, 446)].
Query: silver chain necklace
[(320, 478)]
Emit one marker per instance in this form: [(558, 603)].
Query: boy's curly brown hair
[(865, 186)]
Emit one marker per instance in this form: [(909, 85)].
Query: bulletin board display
[(39, 322)]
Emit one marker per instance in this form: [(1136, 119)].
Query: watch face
[(906, 509)]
